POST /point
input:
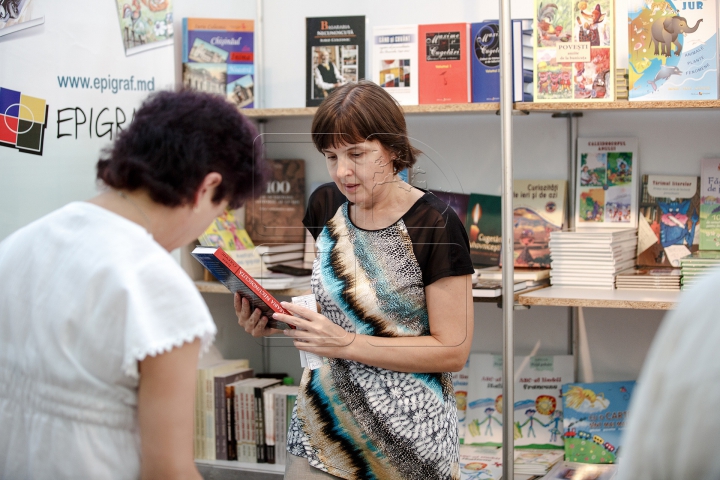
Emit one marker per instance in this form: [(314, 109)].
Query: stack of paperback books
[(648, 278), (591, 257), (536, 461), (697, 265), (581, 471)]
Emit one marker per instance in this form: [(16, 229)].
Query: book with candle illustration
[(483, 225)]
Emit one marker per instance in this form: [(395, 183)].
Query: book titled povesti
[(443, 54)]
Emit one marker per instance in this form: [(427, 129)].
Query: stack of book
[(535, 461), (591, 257), (621, 84), (523, 64), (489, 280), (281, 254), (648, 278), (574, 470), (697, 265)]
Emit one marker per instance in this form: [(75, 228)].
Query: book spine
[(230, 423), (280, 427), (249, 281), (220, 418), (269, 423), (209, 411), (259, 427)]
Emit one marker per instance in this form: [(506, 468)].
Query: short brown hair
[(357, 112)]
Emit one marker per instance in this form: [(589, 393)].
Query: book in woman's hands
[(236, 279)]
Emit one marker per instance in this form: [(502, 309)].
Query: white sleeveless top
[(84, 295)]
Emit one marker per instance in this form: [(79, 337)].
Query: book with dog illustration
[(672, 50), (574, 51)]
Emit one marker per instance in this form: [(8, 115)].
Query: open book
[(236, 279)]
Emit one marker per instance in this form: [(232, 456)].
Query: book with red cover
[(444, 63), (236, 279)]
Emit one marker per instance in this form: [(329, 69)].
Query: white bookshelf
[(225, 470)]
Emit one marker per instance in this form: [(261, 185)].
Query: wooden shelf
[(599, 298), (217, 287), (264, 113), (223, 469)]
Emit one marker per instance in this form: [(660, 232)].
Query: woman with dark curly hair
[(100, 329), (392, 278)]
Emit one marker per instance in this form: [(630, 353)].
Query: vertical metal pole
[(506, 106), (258, 84)]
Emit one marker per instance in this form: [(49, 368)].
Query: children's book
[(672, 50), (457, 201), (480, 463), (710, 204), (276, 215), (335, 48), (668, 223), (460, 385), (145, 25), (484, 227), (444, 63), (581, 471), (537, 461), (225, 49), (574, 51), (395, 61), (225, 232), (18, 15), (606, 189), (236, 279), (594, 419), (538, 210), (538, 411)]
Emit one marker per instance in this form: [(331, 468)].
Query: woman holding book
[(393, 281), (100, 328)]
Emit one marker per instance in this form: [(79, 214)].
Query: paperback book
[(236, 279), (538, 210), (668, 223), (581, 471), (538, 414), (606, 190), (480, 463), (395, 61), (218, 57), (574, 51), (335, 48), (144, 25), (457, 201), (276, 215), (460, 386), (18, 15), (672, 50), (484, 227), (710, 204), (594, 420), (225, 232), (444, 63)]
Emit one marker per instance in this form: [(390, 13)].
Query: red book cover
[(444, 63)]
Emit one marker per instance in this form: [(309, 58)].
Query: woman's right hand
[(253, 322)]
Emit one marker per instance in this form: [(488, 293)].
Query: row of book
[(241, 417), (550, 410)]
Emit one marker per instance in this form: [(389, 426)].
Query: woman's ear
[(206, 190)]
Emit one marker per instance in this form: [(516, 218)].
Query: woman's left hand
[(315, 333)]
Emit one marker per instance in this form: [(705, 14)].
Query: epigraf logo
[(23, 120)]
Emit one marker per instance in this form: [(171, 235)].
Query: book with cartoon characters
[(538, 210), (672, 50), (668, 223), (574, 51), (594, 419), (480, 463), (710, 204), (538, 414), (145, 24), (607, 183)]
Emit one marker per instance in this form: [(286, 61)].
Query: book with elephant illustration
[(538, 412), (672, 50), (574, 51), (594, 420)]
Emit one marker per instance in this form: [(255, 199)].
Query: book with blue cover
[(594, 419)]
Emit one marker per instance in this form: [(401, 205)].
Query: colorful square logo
[(23, 120)]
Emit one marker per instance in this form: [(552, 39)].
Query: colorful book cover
[(485, 61), (457, 201), (145, 24), (538, 412), (276, 215), (18, 15), (225, 49), (672, 50), (710, 204), (395, 61), (480, 463), (484, 227), (538, 209), (460, 385), (444, 63), (225, 232), (606, 190), (335, 48), (574, 51), (595, 416), (668, 223)]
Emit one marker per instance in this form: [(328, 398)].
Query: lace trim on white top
[(205, 332)]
